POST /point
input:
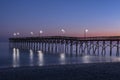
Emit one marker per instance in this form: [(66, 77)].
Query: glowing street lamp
[(17, 33), (31, 33), (14, 34), (63, 31), (41, 32), (85, 33)]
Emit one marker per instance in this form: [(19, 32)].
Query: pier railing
[(69, 38)]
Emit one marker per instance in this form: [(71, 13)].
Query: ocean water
[(15, 57)]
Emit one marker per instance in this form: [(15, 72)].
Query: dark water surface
[(14, 57)]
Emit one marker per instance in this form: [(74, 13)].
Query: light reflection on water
[(62, 58), (40, 58), (31, 57), (86, 59), (16, 57)]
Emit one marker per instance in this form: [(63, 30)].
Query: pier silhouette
[(71, 45)]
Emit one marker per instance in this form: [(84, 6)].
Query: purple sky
[(100, 17)]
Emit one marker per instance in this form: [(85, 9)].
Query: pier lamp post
[(31, 33), (41, 32), (63, 31), (85, 33), (14, 34), (17, 33)]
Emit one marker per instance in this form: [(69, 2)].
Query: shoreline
[(86, 71), (66, 64)]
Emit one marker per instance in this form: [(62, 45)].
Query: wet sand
[(91, 71)]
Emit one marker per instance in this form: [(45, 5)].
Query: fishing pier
[(69, 45)]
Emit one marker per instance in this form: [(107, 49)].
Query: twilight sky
[(100, 17)]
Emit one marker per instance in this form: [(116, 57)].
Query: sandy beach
[(94, 71)]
